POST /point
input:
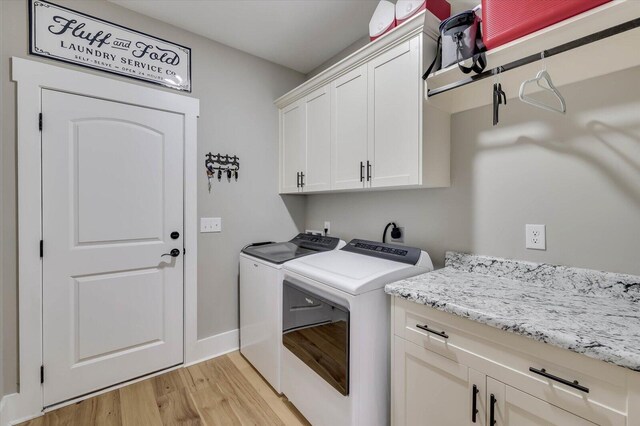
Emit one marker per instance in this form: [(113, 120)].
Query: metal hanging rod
[(600, 35)]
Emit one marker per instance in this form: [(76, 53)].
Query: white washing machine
[(261, 298), (336, 331)]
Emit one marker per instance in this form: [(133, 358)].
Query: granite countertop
[(589, 312)]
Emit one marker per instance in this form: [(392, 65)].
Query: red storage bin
[(507, 20)]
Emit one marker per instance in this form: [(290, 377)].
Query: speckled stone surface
[(590, 312)]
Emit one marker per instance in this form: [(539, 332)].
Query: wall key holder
[(219, 164)]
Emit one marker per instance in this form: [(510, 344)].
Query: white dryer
[(336, 331), (261, 298)]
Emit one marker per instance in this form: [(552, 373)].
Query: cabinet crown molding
[(424, 21)]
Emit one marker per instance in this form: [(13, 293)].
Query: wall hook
[(229, 164)]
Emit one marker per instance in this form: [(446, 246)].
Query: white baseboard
[(12, 412), (211, 347), (3, 420)]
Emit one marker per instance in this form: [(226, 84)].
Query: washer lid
[(277, 252), (300, 245), (355, 273)]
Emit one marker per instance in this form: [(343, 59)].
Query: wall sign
[(69, 36)]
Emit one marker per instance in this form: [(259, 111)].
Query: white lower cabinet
[(451, 371), (510, 406), (429, 389)]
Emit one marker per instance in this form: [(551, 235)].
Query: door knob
[(173, 253)]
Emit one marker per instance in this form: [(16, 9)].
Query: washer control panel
[(393, 252), (316, 242)]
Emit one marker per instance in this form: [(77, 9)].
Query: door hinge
[(41, 248), (184, 251), (42, 374), (40, 121)]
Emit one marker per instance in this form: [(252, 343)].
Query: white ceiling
[(299, 34)]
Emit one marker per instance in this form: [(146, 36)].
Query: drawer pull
[(474, 405), (426, 328), (492, 411), (574, 384)]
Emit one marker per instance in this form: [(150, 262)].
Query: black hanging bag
[(460, 39)]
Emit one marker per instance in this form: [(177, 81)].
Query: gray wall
[(236, 93), (579, 174), (356, 45)]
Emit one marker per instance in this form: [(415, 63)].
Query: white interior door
[(112, 185)]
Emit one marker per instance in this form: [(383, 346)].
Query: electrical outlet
[(327, 227), (536, 238), (401, 239), (210, 224)]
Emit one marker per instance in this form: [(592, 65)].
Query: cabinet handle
[(492, 410), (297, 179), (361, 171), (368, 171), (474, 404), (574, 384), (426, 328), (301, 179)]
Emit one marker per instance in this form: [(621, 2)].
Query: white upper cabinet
[(317, 175), (349, 132), (395, 109), (364, 124), (292, 146)]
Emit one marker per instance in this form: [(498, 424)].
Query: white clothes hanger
[(543, 80)]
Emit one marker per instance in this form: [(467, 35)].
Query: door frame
[(31, 78)]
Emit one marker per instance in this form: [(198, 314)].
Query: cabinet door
[(513, 407), (349, 129), (317, 174), (395, 108), (429, 389), (292, 148)]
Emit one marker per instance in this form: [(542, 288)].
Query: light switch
[(210, 224)]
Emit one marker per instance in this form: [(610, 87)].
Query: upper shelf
[(601, 57)]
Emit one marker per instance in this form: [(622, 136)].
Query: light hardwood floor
[(222, 391)]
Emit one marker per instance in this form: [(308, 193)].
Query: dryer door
[(316, 331)]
